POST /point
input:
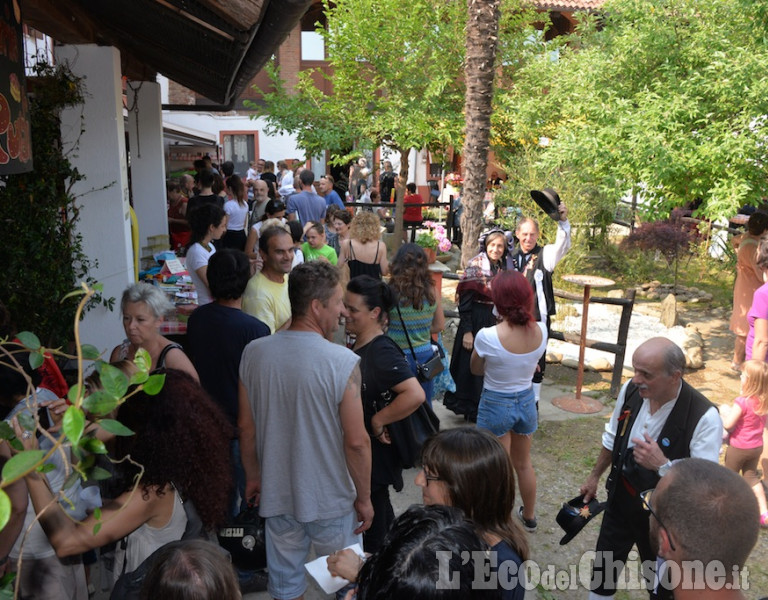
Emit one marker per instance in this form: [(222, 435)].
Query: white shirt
[(707, 436), (197, 257), (551, 254)]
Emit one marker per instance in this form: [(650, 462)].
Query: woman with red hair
[(507, 355)]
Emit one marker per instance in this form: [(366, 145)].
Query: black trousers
[(383, 517), (625, 524)]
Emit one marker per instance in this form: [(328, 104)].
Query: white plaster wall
[(274, 148), (147, 160), (103, 196)]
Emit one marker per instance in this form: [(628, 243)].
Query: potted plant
[(433, 239)]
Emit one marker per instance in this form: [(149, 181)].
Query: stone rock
[(693, 290), (655, 283), (653, 296), (554, 357), (645, 286), (694, 300), (668, 316), (706, 297), (600, 364), (615, 294), (694, 358), (571, 363)]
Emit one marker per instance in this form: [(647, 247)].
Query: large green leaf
[(115, 427), (114, 381), (90, 352), (5, 509), (6, 431), (26, 420), (22, 463), (93, 445), (73, 394), (29, 340), (139, 377), (142, 359), (36, 359), (100, 402), (73, 424), (98, 474), (154, 384)]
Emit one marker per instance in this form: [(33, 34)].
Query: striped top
[(418, 323)]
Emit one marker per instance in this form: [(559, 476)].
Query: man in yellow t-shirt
[(266, 296)]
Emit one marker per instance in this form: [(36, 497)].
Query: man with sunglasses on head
[(704, 523), (658, 418)]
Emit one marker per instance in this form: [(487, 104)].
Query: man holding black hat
[(658, 418), (529, 257)]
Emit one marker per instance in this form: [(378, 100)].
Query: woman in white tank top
[(507, 355)]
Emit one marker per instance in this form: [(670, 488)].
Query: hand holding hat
[(549, 201), (575, 514)]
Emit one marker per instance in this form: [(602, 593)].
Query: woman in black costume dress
[(475, 312)]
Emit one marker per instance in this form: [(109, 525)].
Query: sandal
[(735, 367)]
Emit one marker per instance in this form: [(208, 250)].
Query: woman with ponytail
[(507, 356)]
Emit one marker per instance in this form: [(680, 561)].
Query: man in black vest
[(529, 257), (658, 418)]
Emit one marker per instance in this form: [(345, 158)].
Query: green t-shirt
[(311, 254)]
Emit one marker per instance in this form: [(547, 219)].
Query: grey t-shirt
[(295, 382), (308, 206)]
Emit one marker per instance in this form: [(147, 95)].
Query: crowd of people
[(264, 404)]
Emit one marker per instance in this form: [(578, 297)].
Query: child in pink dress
[(745, 421)]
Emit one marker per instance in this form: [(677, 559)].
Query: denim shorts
[(288, 543), (500, 412)]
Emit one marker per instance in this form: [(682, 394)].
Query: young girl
[(745, 421)]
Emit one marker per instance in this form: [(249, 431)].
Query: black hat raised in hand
[(548, 201)]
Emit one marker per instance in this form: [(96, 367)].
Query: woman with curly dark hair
[(419, 308), (180, 434)]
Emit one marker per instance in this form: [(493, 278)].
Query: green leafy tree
[(397, 79), (668, 99)]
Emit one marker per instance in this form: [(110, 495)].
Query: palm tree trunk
[(479, 70)]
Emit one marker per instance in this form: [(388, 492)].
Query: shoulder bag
[(430, 368), (408, 434)]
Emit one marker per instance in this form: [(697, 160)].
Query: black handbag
[(433, 366), (244, 538), (408, 435)]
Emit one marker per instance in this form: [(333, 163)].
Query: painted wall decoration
[(15, 139)]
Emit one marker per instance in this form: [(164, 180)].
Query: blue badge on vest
[(665, 442)]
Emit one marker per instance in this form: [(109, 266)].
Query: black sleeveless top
[(357, 267)]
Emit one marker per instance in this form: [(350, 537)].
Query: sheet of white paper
[(318, 568)]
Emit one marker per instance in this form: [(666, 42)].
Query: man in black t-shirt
[(217, 333)]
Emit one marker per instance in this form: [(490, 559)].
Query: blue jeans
[(500, 412), (288, 542)]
